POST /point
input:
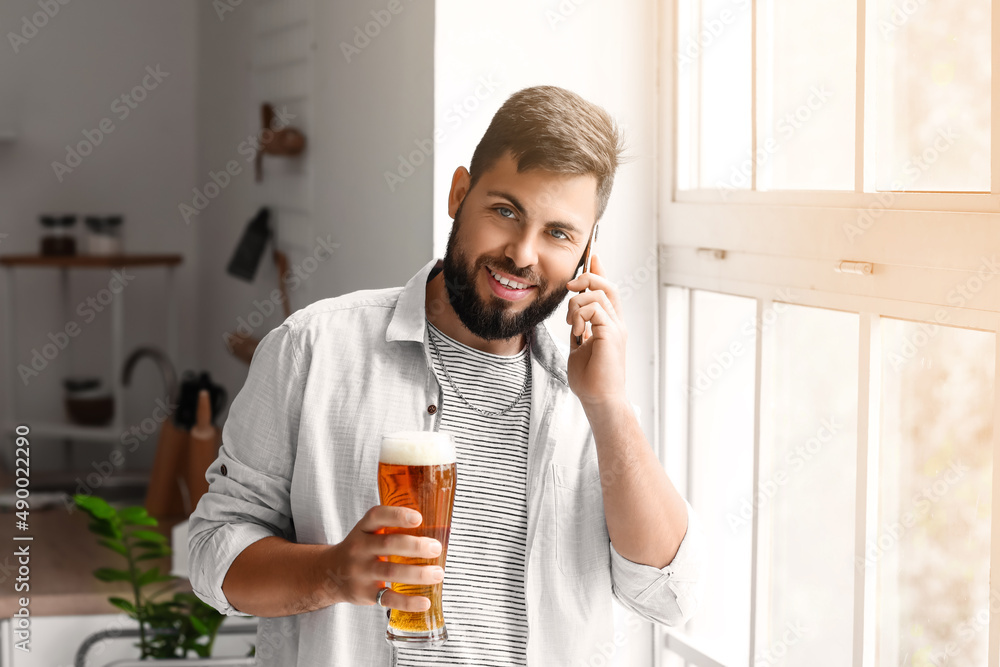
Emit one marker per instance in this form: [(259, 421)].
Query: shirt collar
[(407, 323)]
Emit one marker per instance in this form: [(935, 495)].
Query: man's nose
[(523, 250)]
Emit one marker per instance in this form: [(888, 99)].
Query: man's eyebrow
[(565, 226), (554, 224), (509, 197)]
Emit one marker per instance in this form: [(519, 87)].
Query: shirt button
[(431, 409), (223, 470)]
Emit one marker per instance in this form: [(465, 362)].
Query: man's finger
[(385, 516), (581, 300), (393, 600), (414, 575), (594, 313), (404, 545), (596, 266), (594, 282)]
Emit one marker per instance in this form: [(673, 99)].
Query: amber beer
[(417, 469)]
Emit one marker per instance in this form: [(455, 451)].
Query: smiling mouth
[(507, 282)]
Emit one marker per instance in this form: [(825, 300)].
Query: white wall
[(67, 76), (605, 51), (365, 112)]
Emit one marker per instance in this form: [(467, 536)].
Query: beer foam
[(417, 448)]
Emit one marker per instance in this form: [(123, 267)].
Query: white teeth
[(508, 283)]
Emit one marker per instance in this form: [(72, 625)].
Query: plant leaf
[(111, 574), (198, 625), (146, 521), (114, 545), (152, 575), (147, 576), (98, 507), (152, 555), (149, 536), (135, 515), (124, 605), (105, 529)]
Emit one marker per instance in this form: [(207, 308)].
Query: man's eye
[(505, 212), (559, 231)]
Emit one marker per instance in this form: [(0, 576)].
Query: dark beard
[(491, 320)]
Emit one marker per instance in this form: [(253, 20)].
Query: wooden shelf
[(91, 261)]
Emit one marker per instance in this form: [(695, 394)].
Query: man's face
[(531, 228)]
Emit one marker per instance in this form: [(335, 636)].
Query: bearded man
[(560, 505)]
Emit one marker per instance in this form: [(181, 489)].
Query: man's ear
[(460, 181)]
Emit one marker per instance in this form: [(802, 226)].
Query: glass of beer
[(417, 470)]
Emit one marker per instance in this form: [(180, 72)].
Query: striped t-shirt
[(483, 592)]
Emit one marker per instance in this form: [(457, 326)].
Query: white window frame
[(783, 245)]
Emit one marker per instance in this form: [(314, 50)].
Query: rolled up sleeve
[(669, 595), (249, 482)]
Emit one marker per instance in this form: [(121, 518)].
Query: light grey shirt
[(299, 460)]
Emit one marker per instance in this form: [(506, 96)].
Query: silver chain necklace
[(485, 413)]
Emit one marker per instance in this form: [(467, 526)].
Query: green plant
[(169, 628)]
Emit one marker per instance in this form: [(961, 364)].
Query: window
[(831, 303), (770, 96)]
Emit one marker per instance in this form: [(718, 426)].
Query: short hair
[(551, 128)]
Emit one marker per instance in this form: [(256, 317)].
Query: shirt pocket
[(581, 534)]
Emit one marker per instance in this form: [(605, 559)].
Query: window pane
[(806, 92), (933, 543), (713, 70), (933, 95), (806, 493), (721, 379)]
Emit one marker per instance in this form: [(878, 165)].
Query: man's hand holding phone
[(597, 357)]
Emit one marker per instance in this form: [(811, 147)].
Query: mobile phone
[(590, 249), (586, 265)]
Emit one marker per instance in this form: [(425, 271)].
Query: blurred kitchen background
[(389, 96), (805, 240)]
